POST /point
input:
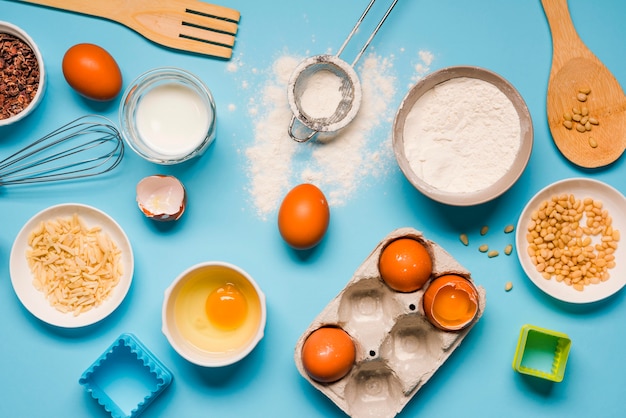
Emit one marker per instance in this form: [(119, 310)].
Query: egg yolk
[(452, 305), (226, 307)]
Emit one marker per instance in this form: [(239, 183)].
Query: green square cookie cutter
[(542, 353)]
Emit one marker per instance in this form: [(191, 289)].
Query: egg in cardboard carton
[(397, 348)]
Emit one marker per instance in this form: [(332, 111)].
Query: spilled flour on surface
[(338, 163)]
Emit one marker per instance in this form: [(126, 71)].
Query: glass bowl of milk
[(167, 116)]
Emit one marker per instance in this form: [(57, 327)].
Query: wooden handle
[(110, 9), (566, 43)]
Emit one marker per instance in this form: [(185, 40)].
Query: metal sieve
[(349, 87)]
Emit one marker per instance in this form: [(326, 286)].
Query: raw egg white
[(217, 314), (303, 217)]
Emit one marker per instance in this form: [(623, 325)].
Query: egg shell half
[(397, 349), (162, 198)]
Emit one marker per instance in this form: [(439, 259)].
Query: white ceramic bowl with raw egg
[(17, 32), (463, 135), (214, 314), (167, 116)]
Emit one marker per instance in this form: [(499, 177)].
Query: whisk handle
[(296, 138)]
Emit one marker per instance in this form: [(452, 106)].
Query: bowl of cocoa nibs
[(22, 74)]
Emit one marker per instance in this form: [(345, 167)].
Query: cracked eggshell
[(161, 197), (397, 348)]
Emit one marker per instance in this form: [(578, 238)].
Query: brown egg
[(92, 72), (328, 354), (162, 198), (451, 302), (405, 265), (303, 217)]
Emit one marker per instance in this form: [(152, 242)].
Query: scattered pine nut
[(580, 128), (464, 239), (593, 120), (484, 230), (508, 286), (492, 254), (508, 229), (584, 111), (577, 117), (567, 116), (575, 111), (584, 90), (582, 97), (568, 124), (483, 248), (592, 142), (508, 249)]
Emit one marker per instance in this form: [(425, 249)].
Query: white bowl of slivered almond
[(71, 265), (568, 240)]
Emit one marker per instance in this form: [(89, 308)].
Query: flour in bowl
[(462, 136)]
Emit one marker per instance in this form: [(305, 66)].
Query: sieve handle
[(374, 32), (296, 138)]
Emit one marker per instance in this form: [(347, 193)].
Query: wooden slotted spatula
[(188, 25), (576, 68)]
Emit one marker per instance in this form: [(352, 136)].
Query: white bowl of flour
[(463, 135)]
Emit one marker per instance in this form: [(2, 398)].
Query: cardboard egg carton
[(397, 348)]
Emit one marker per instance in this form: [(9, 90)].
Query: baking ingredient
[(340, 163), (405, 265), (508, 286), (328, 354), (226, 307), (508, 229), (321, 95), (484, 230), (75, 266), (493, 253), (450, 302), (464, 239), (162, 198), (172, 119), (92, 72), (483, 248), (303, 216), (462, 136), (19, 75), (217, 313), (561, 235), (579, 118), (508, 249)]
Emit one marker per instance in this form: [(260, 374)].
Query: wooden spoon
[(576, 68)]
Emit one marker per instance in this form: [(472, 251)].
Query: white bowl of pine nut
[(22, 74), (568, 240), (462, 135)]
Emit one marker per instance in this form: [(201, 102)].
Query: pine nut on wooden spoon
[(578, 80)]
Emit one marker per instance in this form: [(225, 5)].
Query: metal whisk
[(85, 147)]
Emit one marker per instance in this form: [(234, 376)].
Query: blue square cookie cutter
[(126, 378)]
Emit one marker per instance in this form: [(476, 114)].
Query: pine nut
[(492, 253), (584, 90), (464, 239), (508, 249), (508, 286), (508, 229), (582, 97), (568, 124), (484, 230), (483, 248)]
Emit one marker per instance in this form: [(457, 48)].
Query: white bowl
[(167, 116), (471, 197), (581, 188), (11, 29), (187, 327), (35, 301)]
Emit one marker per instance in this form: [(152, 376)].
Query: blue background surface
[(41, 365)]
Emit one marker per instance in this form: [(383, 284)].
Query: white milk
[(172, 119)]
